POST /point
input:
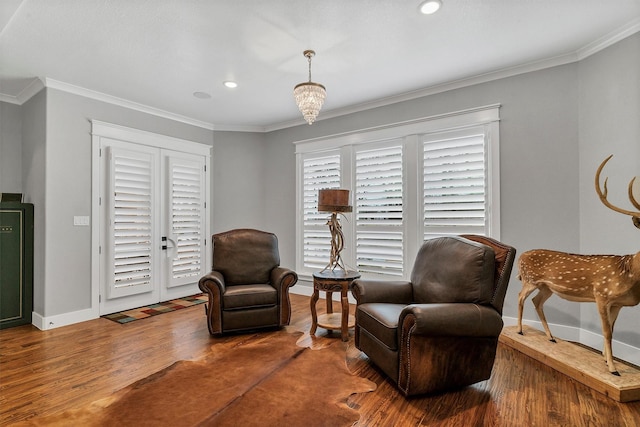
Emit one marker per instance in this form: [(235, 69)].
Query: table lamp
[(335, 201)]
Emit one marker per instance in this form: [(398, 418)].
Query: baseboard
[(51, 322), (621, 350)]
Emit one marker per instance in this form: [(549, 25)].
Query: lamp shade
[(333, 200)]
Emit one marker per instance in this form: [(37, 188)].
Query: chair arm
[(283, 278), (396, 292), (212, 282), (451, 319)]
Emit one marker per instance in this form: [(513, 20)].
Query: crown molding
[(35, 86), (432, 90), (613, 37), (240, 128), (609, 39), (99, 96), (584, 52)]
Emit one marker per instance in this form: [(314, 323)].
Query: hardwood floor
[(44, 372)]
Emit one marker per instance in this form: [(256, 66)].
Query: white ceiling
[(157, 53)]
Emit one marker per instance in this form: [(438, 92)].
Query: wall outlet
[(81, 220)]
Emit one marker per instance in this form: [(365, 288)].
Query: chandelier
[(309, 95)]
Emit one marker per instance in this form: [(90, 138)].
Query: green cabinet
[(16, 264)]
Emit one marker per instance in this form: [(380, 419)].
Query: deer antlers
[(635, 216)]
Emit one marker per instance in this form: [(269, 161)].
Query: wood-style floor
[(44, 372)]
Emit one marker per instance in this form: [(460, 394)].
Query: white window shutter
[(379, 211), (318, 173), (186, 218), (455, 193), (130, 238)]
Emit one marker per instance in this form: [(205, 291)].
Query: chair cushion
[(453, 269), (248, 296), (381, 321), (245, 256)]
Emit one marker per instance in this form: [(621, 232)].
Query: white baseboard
[(51, 322), (621, 350)]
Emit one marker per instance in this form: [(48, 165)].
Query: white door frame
[(122, 133)]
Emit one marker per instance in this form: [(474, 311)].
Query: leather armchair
[(247, 288), (438, 331)]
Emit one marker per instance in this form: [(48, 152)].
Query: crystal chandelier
[(309, 95)]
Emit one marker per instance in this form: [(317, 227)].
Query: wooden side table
[(331, 281)]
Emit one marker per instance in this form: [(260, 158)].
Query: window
[(454, 179), (378, 210), (408, 182), (319, 173)]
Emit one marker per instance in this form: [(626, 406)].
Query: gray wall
[(10, 148), (34, 165), (556, 126), (610, 124), (538, 161), (240, 190), (67, 282)]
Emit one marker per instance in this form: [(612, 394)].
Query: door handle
[(173, 247)]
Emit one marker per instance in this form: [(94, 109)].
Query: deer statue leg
[(538, 301), (526, 290), (614, 310), (613, 316), (607, 332)]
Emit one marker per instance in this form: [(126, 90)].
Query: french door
[(153, 223)]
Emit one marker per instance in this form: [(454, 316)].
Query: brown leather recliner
[(247, 288), (440, 330)]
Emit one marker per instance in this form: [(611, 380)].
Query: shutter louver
[(379, 207), (186, 218), (319, 173), (454, 187), (131, 213)]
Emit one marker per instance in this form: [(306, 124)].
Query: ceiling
[(154, 54)]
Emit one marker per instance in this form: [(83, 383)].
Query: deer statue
[(611, 281)]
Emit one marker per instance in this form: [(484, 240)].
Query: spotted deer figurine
[(611, 281)]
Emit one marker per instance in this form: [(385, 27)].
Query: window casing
[(408, 183)]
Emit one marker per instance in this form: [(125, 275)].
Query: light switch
[(81, 220)]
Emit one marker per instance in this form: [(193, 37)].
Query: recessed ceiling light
[(230, 84), (430, 6), (201, 95)]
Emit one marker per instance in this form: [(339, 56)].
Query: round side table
[(331, 281)]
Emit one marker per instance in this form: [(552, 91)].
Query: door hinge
[(164, 246)]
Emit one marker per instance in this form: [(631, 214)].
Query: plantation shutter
[(455, 193), (186, 218), (318, 173), (131, 222), (379, 219)]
